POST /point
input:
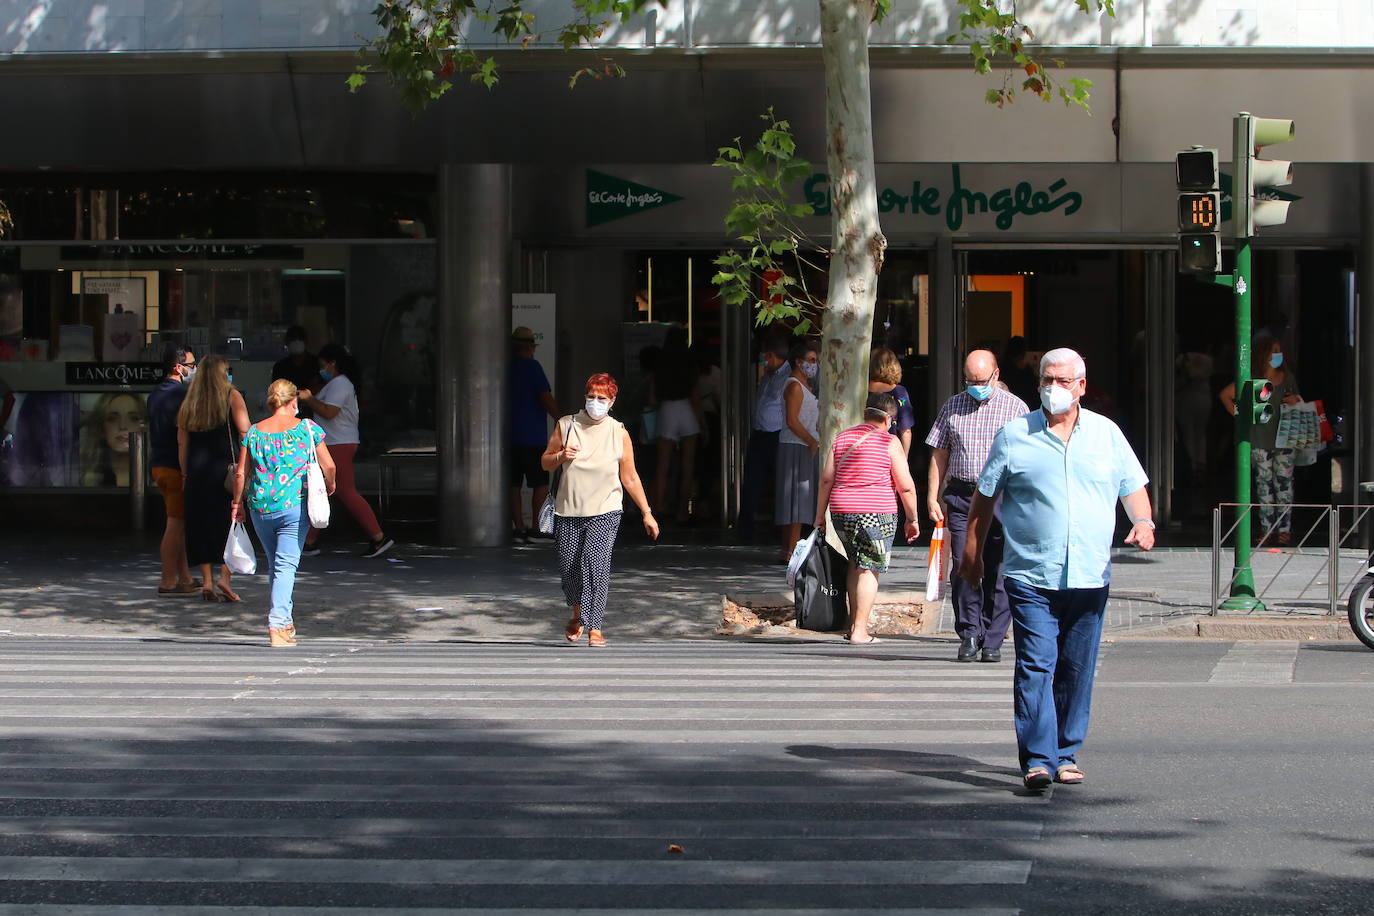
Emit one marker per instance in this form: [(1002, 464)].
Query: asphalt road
[(192, 776)]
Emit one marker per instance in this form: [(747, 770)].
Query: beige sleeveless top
[(591, 482)]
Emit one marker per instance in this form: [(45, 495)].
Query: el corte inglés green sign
[(611, 198)]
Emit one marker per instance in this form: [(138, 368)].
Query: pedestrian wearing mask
[(598, 462), (178, 364), (959, 441), (795, 493), (336, 411), (1061, 470), (1273, 465), (761, 455), (272, 464), (299, 366), (864, 474)]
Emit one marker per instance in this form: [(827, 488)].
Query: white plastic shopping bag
[(238, 551), (937, 568), (798, 557), (316, 494)]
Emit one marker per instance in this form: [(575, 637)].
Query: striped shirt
[(863, 480), (966, 427)]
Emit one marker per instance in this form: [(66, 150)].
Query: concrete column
[(946, 317), (1363, 433), (474, 350)]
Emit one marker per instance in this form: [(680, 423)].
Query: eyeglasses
[(1061, 382), (189, 365), (980, 381)]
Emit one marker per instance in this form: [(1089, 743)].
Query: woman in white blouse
[(336, 411)]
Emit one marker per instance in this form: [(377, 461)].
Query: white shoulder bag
[(316, 493)]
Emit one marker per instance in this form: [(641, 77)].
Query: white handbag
[(238, 551), (316, 493)]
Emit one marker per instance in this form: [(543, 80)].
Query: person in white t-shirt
[(336, 411)]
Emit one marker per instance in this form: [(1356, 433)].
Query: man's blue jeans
[(1057, 633), (282, 535)]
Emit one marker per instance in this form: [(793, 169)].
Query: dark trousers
[(760, 469), (981, 611)]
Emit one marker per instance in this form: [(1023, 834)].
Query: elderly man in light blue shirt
[(1060, 471)]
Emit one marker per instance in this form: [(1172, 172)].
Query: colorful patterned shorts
[(867, 537)]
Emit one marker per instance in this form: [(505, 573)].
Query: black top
[(163, 404)]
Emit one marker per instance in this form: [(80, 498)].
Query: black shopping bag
[(819, 593)]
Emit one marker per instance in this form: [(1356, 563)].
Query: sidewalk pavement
[(92, 584)]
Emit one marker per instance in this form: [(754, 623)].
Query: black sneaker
[(310, 550), (379, 547)]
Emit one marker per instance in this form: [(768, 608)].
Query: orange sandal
[(596, 640), (573, 631)]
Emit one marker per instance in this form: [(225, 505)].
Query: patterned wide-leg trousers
[(1274, 483), (584, 562)]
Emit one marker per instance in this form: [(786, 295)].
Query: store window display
[(108, 421)]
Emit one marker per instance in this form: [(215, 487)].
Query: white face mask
[(596, 409), (811, 370), (296, 347), (1055, 399)]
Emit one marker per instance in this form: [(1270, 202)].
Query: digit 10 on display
[(1199, 211)]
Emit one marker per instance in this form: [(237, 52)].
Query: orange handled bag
[(938, 564)]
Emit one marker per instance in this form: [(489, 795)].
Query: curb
[(1246, 629)]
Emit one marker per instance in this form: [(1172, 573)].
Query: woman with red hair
[(598, 462)]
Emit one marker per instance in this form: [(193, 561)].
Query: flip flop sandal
[(573, 631), (227, 595), (1069, 774), (596, 640), (863, 642), (1037, 778), (208, 594), (177, 591)]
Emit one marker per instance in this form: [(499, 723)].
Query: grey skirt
[(795, 492)]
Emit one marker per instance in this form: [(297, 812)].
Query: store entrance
[(1104, 303), (673, 290)]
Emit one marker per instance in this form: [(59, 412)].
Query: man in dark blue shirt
[(531, 400), (178, 364)]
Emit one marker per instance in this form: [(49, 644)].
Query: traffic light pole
[(1242, 592)]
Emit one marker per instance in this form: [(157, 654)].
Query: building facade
[(198, 171)]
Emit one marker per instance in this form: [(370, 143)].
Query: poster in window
[(39, 443), (107, 422)]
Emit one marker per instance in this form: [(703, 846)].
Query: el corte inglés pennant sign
[(611, 198)]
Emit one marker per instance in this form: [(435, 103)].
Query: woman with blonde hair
[(885, 377), (212, 419), (279, 451), (105, 439)]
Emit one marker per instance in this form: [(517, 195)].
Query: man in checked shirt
[(959, 443)]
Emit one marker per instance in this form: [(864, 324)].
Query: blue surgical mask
[(810, 370), (326, 374), (980, 392), (1276, 360), (230, 376)]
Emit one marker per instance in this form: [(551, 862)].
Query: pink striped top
[(863, 481)]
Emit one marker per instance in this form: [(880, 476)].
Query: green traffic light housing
[(1253, 407)]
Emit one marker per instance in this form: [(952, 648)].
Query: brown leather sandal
[(573, 631)]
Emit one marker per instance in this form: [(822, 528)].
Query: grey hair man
[(1060, 472), (959, 441)]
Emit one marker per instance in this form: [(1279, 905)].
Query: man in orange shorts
[(179, 364)]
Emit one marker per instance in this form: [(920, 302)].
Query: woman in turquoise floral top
[(279, 450)]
